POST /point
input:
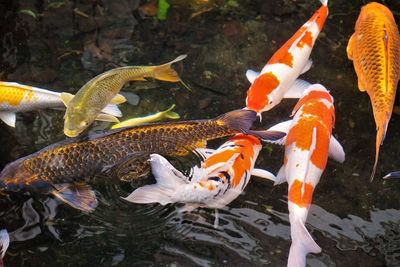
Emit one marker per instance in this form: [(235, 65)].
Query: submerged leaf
[(162, 11), (28, 12)]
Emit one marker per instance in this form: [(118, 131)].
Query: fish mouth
[(70, 133)]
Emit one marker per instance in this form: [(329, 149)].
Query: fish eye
[(83, 123), (270, 102)]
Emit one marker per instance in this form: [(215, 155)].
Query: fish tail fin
[(169, 114), (4, 243), (163, 192), (166, 73), (302, 244), (392, 175), (268, 135), (380, 136), (240, 120)]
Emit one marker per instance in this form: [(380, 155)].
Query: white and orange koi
[(15, 97), (307, 145), (220, 179), (277, 79)]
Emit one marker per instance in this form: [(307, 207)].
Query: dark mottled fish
[(62, 169)]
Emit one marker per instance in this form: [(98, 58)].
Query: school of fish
[(137, 146)]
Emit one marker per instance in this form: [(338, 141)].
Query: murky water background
[(60, 45)]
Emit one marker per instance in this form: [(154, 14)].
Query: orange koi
[(277, 80), (308, 143), (374, 49)]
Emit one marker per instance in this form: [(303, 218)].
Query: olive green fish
[(85, 106), (166, 114), (63, 169)]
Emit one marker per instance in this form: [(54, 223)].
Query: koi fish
[(166, 114), (277, 79), (308, 143), (392, 175), (15, 97), (219, 180), (85, 106), (4, 243), (374, 49), (63, 168)]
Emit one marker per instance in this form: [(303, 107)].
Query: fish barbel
[(61, 168), (85, 107), (374, 48)]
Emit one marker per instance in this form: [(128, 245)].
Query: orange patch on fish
[(306, 40), (283, 57), (320, 16), (316, 95), (14, 95), (314, 115), (257, 95), (299, 194)]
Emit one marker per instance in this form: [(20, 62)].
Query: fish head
[(76, 121), (15, 175)]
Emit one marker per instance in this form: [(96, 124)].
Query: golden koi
[(166, 114), (15, 97), (61, 169), (277, 79), (374, 49), (85, 107), (308, 143)]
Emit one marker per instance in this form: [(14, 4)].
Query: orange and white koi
[(15, 97), (307, 145), (220, 179), (277, 79), (374, 48)]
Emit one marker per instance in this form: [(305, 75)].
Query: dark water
[(64, 44)]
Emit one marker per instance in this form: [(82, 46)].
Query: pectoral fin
[(118, 99), (251, 75), (336, 151), (349, 48), (263, 174), (66, 98), (79, 196), (307, 66), (8, 118), (106, 117), (297, 89)]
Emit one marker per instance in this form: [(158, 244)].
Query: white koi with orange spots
[(308, 143), (277, 79), (15, 97), (220, 179)]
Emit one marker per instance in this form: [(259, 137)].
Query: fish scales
[(100, 90), (72, 162)]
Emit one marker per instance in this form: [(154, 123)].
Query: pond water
[(60, 45)]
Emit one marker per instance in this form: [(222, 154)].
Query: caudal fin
[(380, 136), (240, 120), (4, 243), (168, 180), (166, 73), (302, 244)]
